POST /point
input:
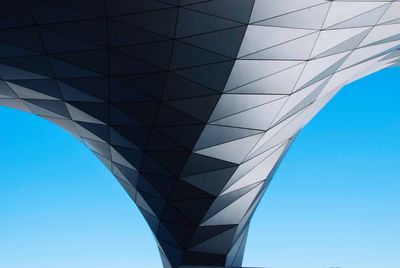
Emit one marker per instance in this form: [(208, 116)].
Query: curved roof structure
[(191, 104)]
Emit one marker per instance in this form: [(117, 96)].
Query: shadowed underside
[(190, 104)]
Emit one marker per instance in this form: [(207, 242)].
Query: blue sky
[(333, 202)]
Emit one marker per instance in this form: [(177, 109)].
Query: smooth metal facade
[(190, 104)]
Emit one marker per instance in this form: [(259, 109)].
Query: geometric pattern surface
[(191, 104)]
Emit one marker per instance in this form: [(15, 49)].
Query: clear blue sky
[(334, 201)]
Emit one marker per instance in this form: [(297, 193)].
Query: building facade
[(191, 104)]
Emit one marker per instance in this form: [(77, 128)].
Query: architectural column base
[(189, 266)]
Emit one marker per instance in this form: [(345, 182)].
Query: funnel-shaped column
[(190, 104)]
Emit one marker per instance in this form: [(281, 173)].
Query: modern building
[(191, 104)]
